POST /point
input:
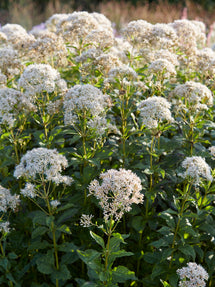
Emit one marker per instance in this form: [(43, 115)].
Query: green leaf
[(64, 228), (91, 258), (61, 274), (39, 231), (158, 270), (12, 255), (98, 239), (4, 263), (138, 223), (45, 263), (115, 241), (188, 250), (165, 284), (118, 254), (121, 274), (152, 258)]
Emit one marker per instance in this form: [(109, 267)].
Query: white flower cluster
[(162, 68), (12, 102), (3, 80), (10, 63), (54, 203), (83, 99), (101, 38), (192, 96), (122, 72), (29, 190), (48, 47), (155, 110), (138, 32), (212, 151), (163, 36), (85, 220), (4, 227), (7, 200), (118, 191), (167, 55), (45, 163), (196, 168), (191, 34), (192, 276), (38, 78), (17, 36), (76, 26)]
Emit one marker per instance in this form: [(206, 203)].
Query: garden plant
[(107, 149)]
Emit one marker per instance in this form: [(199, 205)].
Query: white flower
[(122, 72), (76, 26), (54, 203), (118, 191), (212, 150), (196, 168), (85, 220), (138, 32), (29, 190), (43, 162), (17, 36), (10, 63), (162, 68), (83, 98), (192, 276), (12, 103), (4, 227), (7, 200), (155, 110), (38, 78), (191, 34), (193, 96)]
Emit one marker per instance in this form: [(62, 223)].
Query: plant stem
[(178, 223), (53, 234), (15, 146), (107, 249)]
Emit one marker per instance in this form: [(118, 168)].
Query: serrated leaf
[(98, 239), (45, 263), (188, 250), (39, 231), (158, 270), (118, 254), (62, 274), (115, 242), (121, 274)]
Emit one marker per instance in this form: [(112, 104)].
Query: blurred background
[(29, 13)]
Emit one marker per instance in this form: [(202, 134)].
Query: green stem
[(150, 176), (178, 223), (191, 146), (139, 259), (15, 146), (107, 252), (2, 249), (151, 163), (53, 234)]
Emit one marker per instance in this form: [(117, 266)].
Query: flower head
[(193, 96), (192, 276), (196, 168), (155, 110), (83, 99), (85, 220), (7, 200), (38, 78), (118, 191), (43, 162)]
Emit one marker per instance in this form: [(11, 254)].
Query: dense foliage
[(107, 148)]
